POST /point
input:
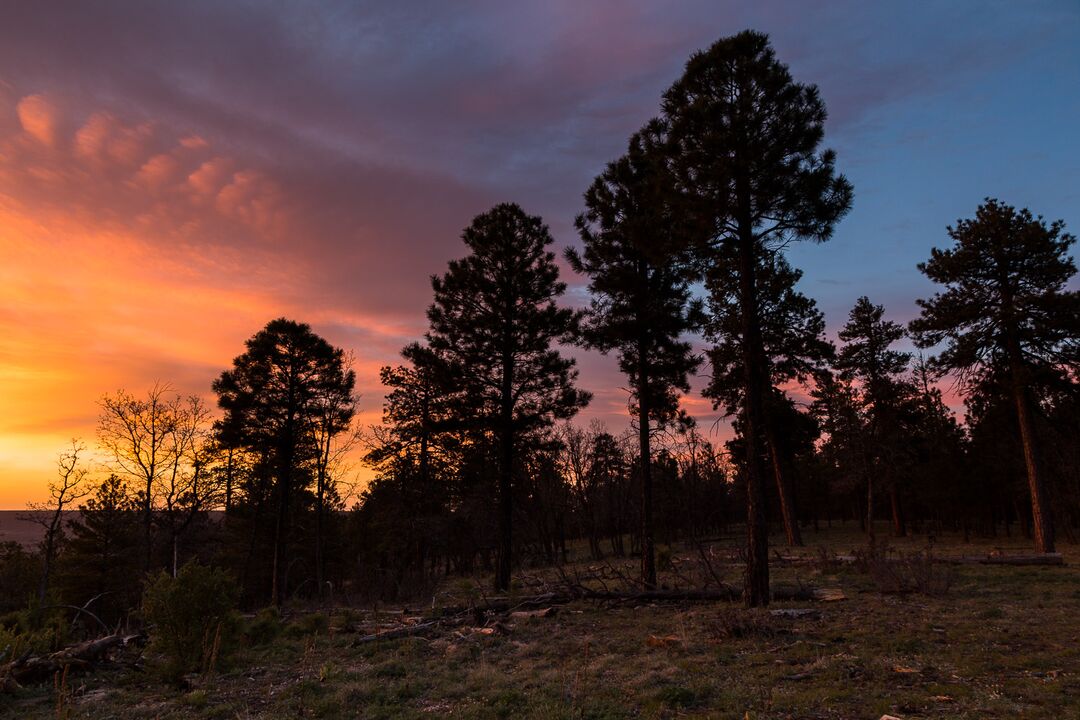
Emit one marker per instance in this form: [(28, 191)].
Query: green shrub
[(315, 623), (192, 619), (264, 628), (31, 631)]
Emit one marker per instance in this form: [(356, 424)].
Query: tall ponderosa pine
[(1006, 315), (867, 357), (288, 382), (494, 319), (745, 138), (640, 271), (794, 344)]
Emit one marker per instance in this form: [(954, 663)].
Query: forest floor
[(1000, 642)]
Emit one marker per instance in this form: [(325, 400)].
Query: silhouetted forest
[(480, 467)]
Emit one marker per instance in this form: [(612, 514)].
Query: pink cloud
[(253, 199), (210, 176), (90, 139), (39, 119), (193, 142), (157, 171)]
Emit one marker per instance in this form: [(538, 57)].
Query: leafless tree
[(187, 486), (65, 491), (161, 444)]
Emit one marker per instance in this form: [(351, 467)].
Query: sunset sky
[(173, 175)]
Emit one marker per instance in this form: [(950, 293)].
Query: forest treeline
[(479, 465)]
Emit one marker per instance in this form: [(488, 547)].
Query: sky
[(175, 175)]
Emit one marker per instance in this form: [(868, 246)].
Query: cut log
[(526, 614), (796, 613)]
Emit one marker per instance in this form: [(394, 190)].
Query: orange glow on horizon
[(111, 280)]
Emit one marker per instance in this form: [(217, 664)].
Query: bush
[(315, 623), (264, 628), (31, 631), (191, 617), (902, 573)]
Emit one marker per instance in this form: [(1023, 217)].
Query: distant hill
[(15, 527)]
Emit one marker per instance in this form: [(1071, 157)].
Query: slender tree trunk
[(175, 552), (229, 457), (870, 506), (1042, 519), (899, 526), (319, 501), (648, 552), (48, 552), (783, 489), (281, 531), (1041, 513), (253, 538), (756, 580), (425, 424), (320, 507), (148, 527), (506, 472)]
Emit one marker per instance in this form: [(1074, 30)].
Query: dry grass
[(1003, 642)]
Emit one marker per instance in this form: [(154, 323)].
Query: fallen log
[(503, 604), (398, 633), (1001, 559), (449, 617), (721, 594), (1037, 559), (991, 559), (30, 669)]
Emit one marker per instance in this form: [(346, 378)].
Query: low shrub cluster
[(191, 617)]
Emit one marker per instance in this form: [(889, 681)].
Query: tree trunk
[(506, 471), (783, 489), (756, 581), (281, 529), (46, 567), (648, 553), (148, 526), (175, 538), (870, 506), (319, 499), (228, 480), (899, 526), (1042, 521)]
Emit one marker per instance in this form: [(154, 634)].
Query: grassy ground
[(1003, 642)]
